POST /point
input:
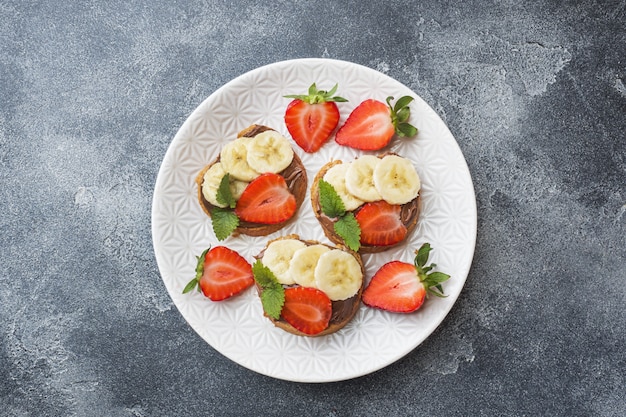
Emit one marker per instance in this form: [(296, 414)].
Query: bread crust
[(343, 311), (409, 213), (295, 176)]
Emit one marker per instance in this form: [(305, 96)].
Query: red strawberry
[(312, 118), (402, 287), (380, 224), (307, 309), (266, 200), (221, 273), (372, 124)]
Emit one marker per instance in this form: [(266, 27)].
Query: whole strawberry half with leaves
[(220, 274), (402, 287), (372, 124), (311, 118)]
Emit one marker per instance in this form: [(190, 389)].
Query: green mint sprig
[(224, 220), (273, 293), (346, 225)]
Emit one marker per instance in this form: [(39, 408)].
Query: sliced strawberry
[(221, 273), (372, 124), (402, 287), (266, 200), (380, 224), (395, 287), (307, 309), (312, 118)]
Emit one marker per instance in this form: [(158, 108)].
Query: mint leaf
[(224, 222), (224, 195), (273, 293), (349, 230), (331, 203), (273, 300)]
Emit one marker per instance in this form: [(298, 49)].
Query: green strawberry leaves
[(272, 294), (346, 225), (195, 282), (316, 96), (400, 113), (431, 280)]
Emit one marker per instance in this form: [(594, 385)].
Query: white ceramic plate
[(236, 327)]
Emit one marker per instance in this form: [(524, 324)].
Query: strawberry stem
[(316, 96), (430, 279), (400, 113)]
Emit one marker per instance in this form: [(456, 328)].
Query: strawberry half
[(312, 118), (221, 273), (307, 309), (372, 124), (266, 200), (380, 224), (402, 287)]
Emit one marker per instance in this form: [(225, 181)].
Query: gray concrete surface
[(91, 94)]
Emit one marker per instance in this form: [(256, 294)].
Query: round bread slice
[(343, 311), (409, 213), (294, 175)]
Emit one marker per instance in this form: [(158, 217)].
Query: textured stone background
[(91, 94)]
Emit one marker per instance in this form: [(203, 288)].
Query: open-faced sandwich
[(255, 185), (308, 288), (369, 204)]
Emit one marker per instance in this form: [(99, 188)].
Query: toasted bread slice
[(343, 311), (294, 174), (409, 214)]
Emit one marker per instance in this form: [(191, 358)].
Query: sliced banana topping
[(211, 183), (336, 176), (303, 263), (360, 178), (269, 151), (396, 180), (277, 258), (234, 159), (338, 274)]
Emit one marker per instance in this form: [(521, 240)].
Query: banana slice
[(336, 176), (277, 258), (269, 151), (234, 160), (303, 263), (338, 274), (359, 178), (211, 183), (396, 180)]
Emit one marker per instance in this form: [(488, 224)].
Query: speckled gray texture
[(91, 94)]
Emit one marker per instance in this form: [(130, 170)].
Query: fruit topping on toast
[(369, 204), (307, 287), (254, 186)]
